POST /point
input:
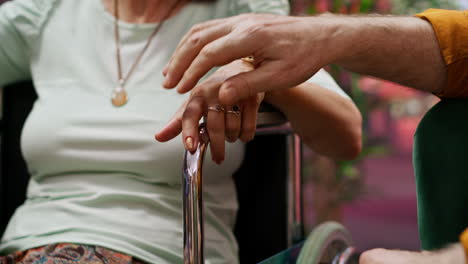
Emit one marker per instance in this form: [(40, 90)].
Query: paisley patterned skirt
[(65, 253)]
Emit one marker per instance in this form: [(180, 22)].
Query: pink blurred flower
[(385, 89), (384, 5), (322, 6)]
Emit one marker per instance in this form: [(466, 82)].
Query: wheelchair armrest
[(270, 116)]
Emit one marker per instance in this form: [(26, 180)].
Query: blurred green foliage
[(409, 7)]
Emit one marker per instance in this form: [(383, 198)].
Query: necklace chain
[(119, 96)]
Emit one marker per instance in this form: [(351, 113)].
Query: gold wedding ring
[(218, 108), (250, 60)]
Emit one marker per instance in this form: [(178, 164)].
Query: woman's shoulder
[(28, 15)]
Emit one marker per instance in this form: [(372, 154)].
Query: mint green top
[(97, 175)]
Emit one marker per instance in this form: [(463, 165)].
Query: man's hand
[(452, 255), (280, 45), (289, 50)]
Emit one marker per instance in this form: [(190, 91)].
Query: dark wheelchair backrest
[(440, 165), (261, 226), (17, 102)]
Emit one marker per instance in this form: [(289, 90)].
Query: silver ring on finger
[(235, 110), (217, 108)]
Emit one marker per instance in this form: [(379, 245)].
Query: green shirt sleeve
[(279, 7), (20, 23)]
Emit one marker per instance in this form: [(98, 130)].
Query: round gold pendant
[(119, 96)]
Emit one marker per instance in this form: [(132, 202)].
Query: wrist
[(283, 99), (277, 98), (341, 37)]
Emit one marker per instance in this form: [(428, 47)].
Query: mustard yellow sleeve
[(464, 242), (451, 29)]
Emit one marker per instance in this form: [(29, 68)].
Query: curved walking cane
[(193, 200), (269, 121)]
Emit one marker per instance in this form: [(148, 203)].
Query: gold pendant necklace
[(119, 94)]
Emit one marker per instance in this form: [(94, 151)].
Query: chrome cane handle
[(193, 200)]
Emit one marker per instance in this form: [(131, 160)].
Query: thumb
[(247, 84)]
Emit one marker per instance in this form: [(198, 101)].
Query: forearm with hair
[(399, 49)]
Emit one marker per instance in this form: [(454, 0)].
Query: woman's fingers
[(249, 117), (233, 122), (194, 111), (230, 123), (170, 131), (173, 128), (237, 120), (215, 126)]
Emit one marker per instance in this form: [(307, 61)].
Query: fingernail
[(189, 143), (156, 137), (164, 72), (166, 82), (180, 89)]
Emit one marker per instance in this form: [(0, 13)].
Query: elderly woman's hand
[(224, 122)]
